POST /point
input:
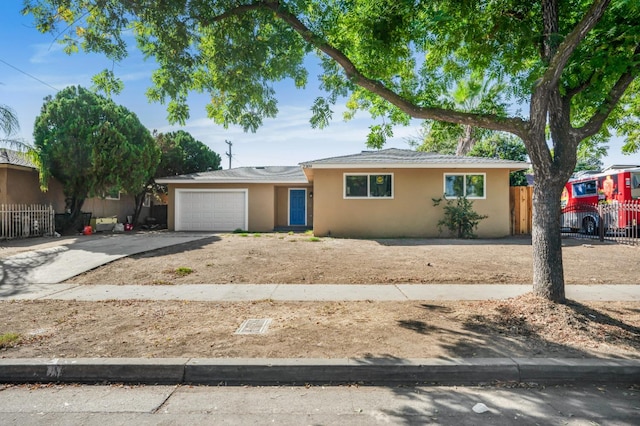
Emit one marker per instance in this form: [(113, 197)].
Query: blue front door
[(297, 207)]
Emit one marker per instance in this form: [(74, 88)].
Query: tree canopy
[(92, 146), (470, 95), (183, 154), (572, 64)]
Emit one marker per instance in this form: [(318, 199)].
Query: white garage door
[(211, 210)]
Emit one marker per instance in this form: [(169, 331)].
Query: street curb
[(368, 371)]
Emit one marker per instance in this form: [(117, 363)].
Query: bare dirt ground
[(299, 258), (524, 326)]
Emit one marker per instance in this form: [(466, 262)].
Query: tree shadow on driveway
[(53, 265)]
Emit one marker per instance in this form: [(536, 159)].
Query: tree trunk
[(73, 205), (548, 275), (466, 142), (139, 200)]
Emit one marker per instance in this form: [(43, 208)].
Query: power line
[(28, 75)]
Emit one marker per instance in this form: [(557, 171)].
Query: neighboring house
[(19, 184), (386, 193)]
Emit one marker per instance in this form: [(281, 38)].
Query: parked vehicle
[(609, 200)]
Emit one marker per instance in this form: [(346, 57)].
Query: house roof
[(386, 158), (15, 158), (270, 174), (405, 158)]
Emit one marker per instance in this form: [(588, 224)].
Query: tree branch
[(488, 121), (594, 125), (571, 42), (551, 77), (551, 28)]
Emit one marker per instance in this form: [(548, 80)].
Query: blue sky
[(286, 140)]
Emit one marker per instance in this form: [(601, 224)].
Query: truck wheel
[(589, 226)]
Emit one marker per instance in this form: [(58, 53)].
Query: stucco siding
[(22, 186), (410, 212)]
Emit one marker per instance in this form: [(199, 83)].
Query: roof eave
[(239, 181), (510, 166)]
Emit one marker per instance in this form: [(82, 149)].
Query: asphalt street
[(317, 405)]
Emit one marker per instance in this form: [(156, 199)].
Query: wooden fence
[(23, 221), (520, 201)]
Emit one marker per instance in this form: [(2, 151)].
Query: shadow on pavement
[(508, 406), (16, 272)]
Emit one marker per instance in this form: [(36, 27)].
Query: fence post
[(601, 222)]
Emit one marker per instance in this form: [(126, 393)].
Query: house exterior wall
[(103, 207), (410, 213), (282, 205), (261, 204), (19, 185)]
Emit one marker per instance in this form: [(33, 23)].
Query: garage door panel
[(211, 210)]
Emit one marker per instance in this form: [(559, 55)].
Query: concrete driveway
[(50, 261)]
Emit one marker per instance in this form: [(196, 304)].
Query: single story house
[(385, 193)]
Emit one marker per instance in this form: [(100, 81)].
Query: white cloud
[(45, 52)]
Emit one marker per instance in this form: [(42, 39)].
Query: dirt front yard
[(524, 326), (304, 259)]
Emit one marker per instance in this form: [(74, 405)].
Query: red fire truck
[(609, 199)]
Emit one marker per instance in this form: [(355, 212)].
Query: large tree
[(573, 64), (92, 146), (180, 153), (183, 154)]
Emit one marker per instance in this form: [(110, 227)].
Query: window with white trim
[(471, 185), (368, 185)]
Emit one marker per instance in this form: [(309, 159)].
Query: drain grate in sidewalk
[(254, 326)]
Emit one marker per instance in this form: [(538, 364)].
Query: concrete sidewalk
[(303, 292)]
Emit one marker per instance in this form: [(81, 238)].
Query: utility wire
[(29, 75)]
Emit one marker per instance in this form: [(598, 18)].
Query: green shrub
[(8, 340), (183, 271), (459, 217)]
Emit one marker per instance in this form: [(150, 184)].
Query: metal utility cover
[(254, 326)]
